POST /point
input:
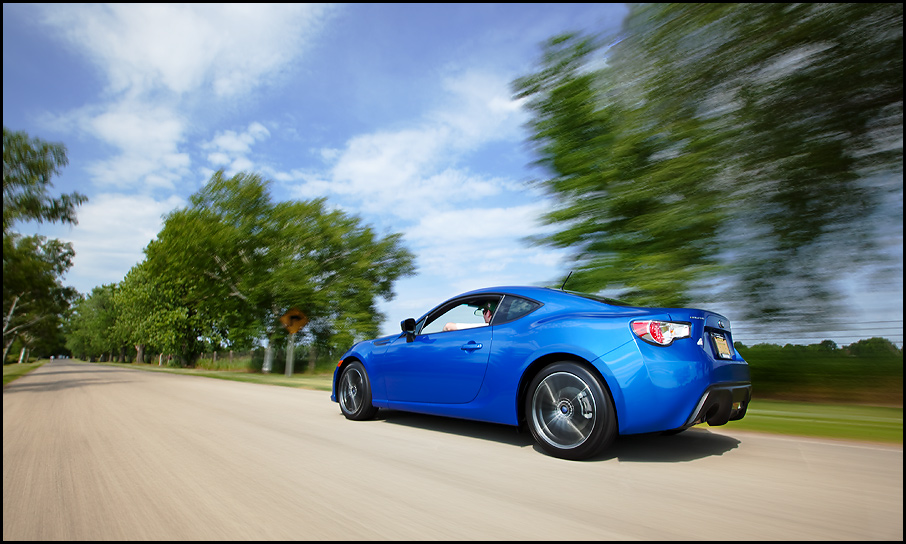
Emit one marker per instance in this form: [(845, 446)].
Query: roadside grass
[(823, 420), (12, 371), (841, 421), (317, 381)]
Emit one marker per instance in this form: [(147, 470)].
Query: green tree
[(763, 128), (874, 347), (28, 166), (150, 314), (245, 260), (92, 332), (343, 265), (34, 298)]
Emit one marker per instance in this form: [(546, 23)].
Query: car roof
[(548, 294), (511, 289), (540, 293)]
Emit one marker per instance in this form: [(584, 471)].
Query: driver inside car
[(487, 311)]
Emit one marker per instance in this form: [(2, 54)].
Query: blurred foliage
[(868, 371), (35, 300), (28, 166), (722, 146)]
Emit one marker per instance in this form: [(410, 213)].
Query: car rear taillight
[(661, 333)]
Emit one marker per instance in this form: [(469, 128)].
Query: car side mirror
[(408, 327)]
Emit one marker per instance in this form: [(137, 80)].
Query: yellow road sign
[(294, 320)]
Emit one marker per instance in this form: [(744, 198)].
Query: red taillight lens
[(662, 333), (648, 330)]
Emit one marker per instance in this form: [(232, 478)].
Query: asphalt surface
[(100, 453)]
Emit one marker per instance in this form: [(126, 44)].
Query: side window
[(513, 308), (464, 314)]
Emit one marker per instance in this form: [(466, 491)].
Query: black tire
[(354, 392), (569, 412)]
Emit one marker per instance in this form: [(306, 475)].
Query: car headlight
[(661, 333)]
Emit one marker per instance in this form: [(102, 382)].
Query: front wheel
[(354, 392), (569, 412)]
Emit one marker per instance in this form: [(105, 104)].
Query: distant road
[(93, 452)]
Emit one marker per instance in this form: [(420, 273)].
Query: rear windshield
[(605, 300)]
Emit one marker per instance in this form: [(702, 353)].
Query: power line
[(891, 330)]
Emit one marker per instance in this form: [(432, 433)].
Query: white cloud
[(159, 59), (481, 110), (423, 168), (238, 143), (229, 149), (389, 161), (147, 139), (476, 224), (480, 245), (228, 49), (112, 232), (218, 158)]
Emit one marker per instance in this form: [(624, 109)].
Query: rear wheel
[(354, 392), (569, 412)]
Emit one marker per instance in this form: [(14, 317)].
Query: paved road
[(93, 452)]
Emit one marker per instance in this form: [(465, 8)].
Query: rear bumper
[(720, 404)]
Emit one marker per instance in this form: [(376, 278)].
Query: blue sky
[(400, 114)]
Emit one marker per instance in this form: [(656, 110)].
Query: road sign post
[(293, 320), (290, 353)]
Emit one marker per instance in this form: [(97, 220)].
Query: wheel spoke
[(568, 425), (351, 401), (549, 392), (579, 395)]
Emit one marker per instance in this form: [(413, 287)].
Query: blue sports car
[(575, 369)]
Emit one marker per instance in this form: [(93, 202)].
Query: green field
[(837, 421)]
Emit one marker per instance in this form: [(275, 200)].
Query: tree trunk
[(312, 357), (6, 345), (268, 358)]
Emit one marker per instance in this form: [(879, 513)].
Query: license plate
[(723, 347)]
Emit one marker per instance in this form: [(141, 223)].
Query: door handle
[(471, 346)]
